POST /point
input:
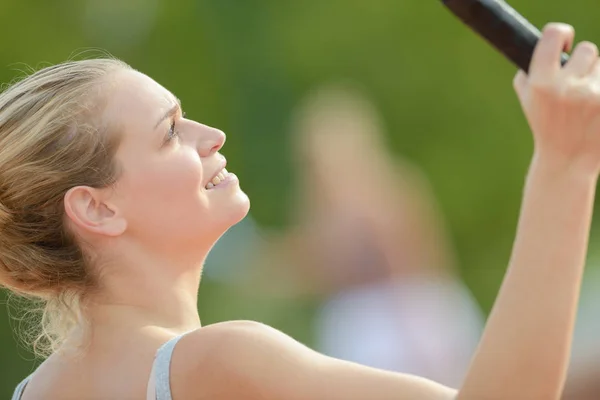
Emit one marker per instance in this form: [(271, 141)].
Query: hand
[(562, 104)]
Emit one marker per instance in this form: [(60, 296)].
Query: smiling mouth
[(220, 177)]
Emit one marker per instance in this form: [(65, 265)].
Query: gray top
[(20, 387), (159, 385)]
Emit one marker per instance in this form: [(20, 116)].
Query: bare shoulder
[(227, 338), (233, 337), (213, 360), (255, 361)]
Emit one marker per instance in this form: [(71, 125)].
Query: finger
[(556, 38), (520, 83), (595, 72), (582, 60)]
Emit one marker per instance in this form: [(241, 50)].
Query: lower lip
[(229, 180)]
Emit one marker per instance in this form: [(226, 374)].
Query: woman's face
[(173, 191)]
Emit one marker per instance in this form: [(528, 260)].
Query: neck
[(149, 291)]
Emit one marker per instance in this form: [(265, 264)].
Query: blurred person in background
[(367, 239), (111, 199)]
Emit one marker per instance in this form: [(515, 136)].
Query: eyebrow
[(172, 111)]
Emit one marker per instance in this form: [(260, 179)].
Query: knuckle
[(543, 87), (516, 81), (582, 94), (587, 48), (515, 84), (577, 92), (562, 92), (594, 93), (558, 29)]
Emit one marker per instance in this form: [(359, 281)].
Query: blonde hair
[(52, 138)]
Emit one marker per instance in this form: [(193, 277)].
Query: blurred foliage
[(445, 95)]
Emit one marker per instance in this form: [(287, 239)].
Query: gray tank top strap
[(160, 377), (160, 380), (18, 393)]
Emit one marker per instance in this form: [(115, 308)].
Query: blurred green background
[(243, 65)]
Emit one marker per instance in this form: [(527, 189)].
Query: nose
[(211, 141)]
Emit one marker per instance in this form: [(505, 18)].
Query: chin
[(234, 210), (240, 208), (229, 209)]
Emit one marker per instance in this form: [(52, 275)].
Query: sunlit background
[(303, 90)]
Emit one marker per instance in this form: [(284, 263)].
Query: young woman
[(110, 200)]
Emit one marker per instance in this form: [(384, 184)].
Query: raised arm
[(525, 348), (524, 351)]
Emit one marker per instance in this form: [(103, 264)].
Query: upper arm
[(253, 361)]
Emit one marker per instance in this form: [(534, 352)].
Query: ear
[(88, 209)]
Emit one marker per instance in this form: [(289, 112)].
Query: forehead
[(136, 102)]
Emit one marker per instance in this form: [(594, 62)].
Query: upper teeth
[(217, 179)]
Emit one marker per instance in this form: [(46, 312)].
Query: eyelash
[(172, 134)]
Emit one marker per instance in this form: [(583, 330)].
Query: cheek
[(168, 188), (174, 178)]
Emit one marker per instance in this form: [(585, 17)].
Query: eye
[(173, 133)]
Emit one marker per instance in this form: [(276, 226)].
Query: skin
[(150, 247)]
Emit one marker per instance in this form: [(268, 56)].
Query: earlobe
[(87, 209)]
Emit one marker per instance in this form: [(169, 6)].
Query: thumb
[(520, 84)]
